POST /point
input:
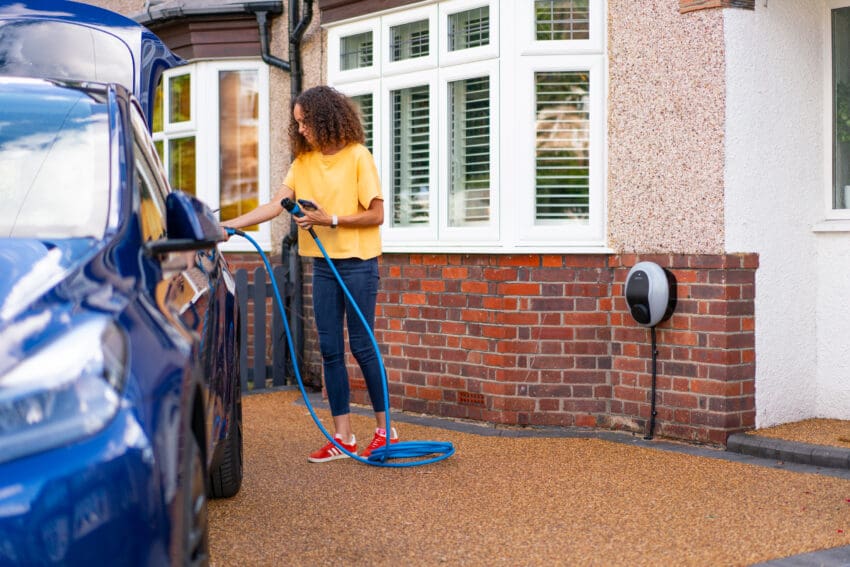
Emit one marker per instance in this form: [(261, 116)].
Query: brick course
[(548, 341)]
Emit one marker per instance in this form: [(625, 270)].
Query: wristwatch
[(334, 221)]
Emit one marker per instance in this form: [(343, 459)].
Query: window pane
[(469, 29), (409, 41), (157, 110), (411, 167), (239, 143), (561, 19), (841, 108), (179, 91), (355, 51), (181, 167), (469, 152), (366, 105), (562, 146)]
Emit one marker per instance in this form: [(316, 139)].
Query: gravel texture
[(511, 501), (829, 432)]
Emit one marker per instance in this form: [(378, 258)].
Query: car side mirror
[(190, 223)]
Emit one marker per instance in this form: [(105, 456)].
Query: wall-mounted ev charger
[(651, 296), (650, 293)]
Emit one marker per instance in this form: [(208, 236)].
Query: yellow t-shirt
[(342, 184)]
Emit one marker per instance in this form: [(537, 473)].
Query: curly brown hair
[(333, 117)]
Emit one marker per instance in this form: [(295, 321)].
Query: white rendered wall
[(774, 197)]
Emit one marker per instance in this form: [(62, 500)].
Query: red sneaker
[(379, 440), (331, 452)]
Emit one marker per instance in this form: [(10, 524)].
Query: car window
[(150, 179), (54, 163), (152, 206), (63, 50)]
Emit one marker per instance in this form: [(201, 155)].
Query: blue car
[(59, 39), (120, 399)]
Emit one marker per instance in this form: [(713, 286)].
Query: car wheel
[(195, 519), (226, 479)]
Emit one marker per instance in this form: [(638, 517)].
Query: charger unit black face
[(650, 293)]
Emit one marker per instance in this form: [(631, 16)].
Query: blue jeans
[(332, 308)]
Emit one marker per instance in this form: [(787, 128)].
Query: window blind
[(367, 117), (469, 151), (562, 19), (562, 146), (469, 29), (355, 51), (409, 40), (411, 163)]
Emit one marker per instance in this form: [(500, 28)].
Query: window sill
[(832, 225), (472, 250)]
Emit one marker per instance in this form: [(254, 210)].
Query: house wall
[(546, 339), (665, 139), (776, 179)]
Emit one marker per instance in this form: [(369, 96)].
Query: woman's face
[(303, 128)]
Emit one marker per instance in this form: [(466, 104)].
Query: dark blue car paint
[(110, 498)]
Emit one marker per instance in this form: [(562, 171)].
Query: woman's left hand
[(314, 217)]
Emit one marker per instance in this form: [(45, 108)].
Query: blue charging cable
[(380, 456)]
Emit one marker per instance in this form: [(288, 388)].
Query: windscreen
[(63, 50), (54, 162)]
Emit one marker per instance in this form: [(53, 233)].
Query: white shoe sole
[(341, 455)]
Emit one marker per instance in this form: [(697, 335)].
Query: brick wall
[(548, 341), (706, 351)]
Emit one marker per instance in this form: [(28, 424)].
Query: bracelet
[(334, 221)]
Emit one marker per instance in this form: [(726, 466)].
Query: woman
[(335, 171)]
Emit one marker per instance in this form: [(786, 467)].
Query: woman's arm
[(373, 216), (262, 213)]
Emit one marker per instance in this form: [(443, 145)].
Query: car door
[(192, 292)]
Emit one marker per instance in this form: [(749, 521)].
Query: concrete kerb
[(753, 450), (789, 451)]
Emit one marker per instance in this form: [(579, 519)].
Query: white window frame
[(511, 59), (335, 37), (830, 213), (417, 63), (475, 53), (575, 233), (205, 127), (478, 234), (415, 233), (177, 128), (529, 45)]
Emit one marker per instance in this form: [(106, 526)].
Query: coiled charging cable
[(380, 456)]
